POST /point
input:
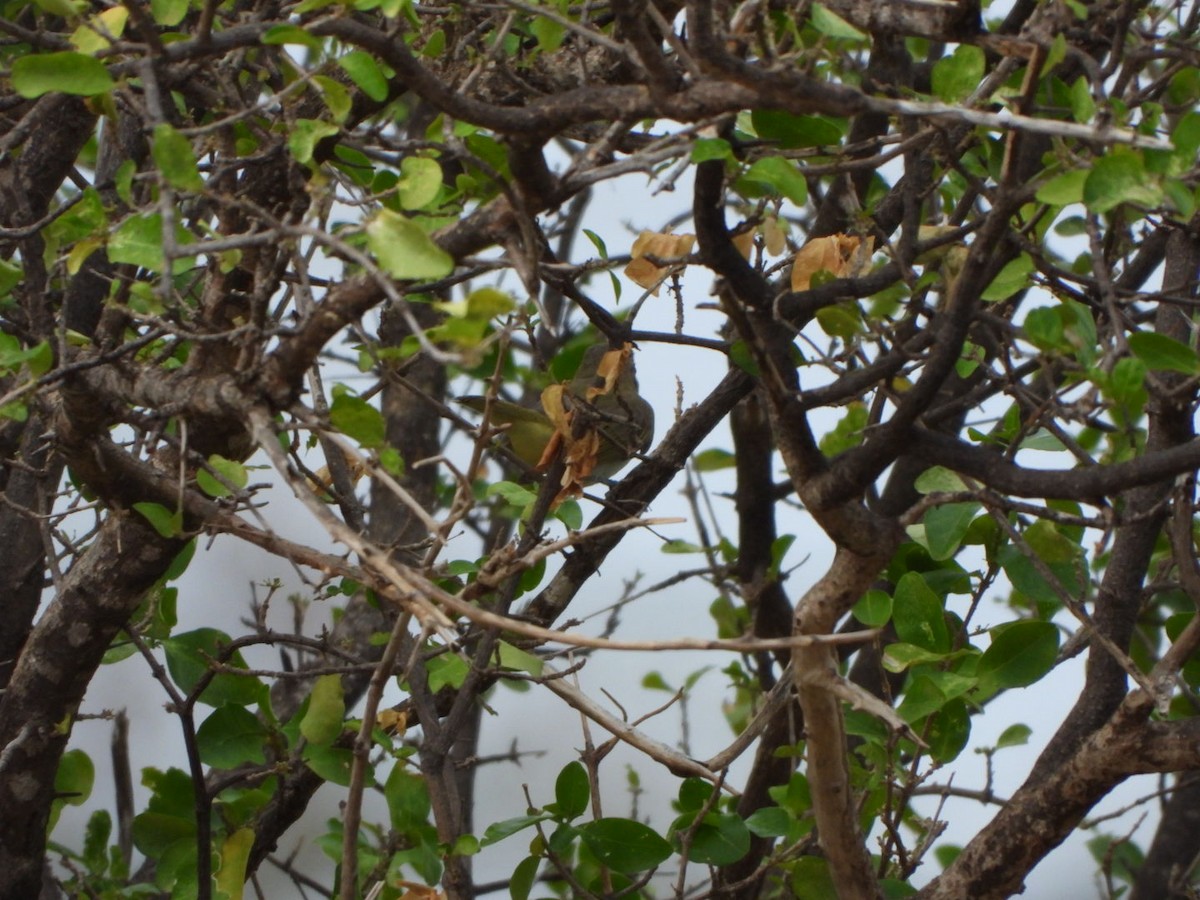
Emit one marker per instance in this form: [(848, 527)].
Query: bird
[(597, 422)]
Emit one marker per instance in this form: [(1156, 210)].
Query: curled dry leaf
[(842, 255), (744, 243), (659, 246), (321, 481)]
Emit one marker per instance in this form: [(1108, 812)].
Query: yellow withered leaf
[(774, 236), (660, 246), (842, 255)]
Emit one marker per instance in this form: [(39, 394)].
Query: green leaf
[(523, 877), (572, 790), (549, 34), (168, 12), (167, 523), (769, 821), (1164, 353), (173, 155), (230, 470), (446, 670), (713, 460), (498, 831), (834, 26), (356, 418), (918, 614), (404, 250), (364, 71), (948, 731), (408, 801), (231, 736), (1063, 189), (306, 134), (189, 657), (956, 76), (939, 480), (235, 856), (718, 840), (901, 656), (1014, 736), (706, 149), (74, 779), (625, 845), (782, 175), (1020, 654), (874, 608), (1012, 278), (946, 526), (138, 242), (419, 185), (35, 74), (1118, 178), (519, 660), (331, 763), (792, 132), (1083, 106), (282, 35), (326, 713)]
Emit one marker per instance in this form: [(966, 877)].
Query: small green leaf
[(956, 76), (1063, 189), (519, 660), (834, 26), (572, 790), (419, 184), (946, 526), (231, 736), (782, 175), (939, 479), (706, 149), (498, 831), (768, 822), (874, 608), (1014, 736), (1020, 654), (521, 882), (792, 132), (1160, 352), (235, 856), (189, 658), (138, 242), (173, 155), (624, 844), (948, 731), (356, 418), (718, 840), (1083, 105), (549, 34), (364, 71), (167, 523), (69, 72), (1012, 278), (75, 776), (323, 720), (404, 250), (282, 35), (408, 802), (918, 614), (330, 763), (1120, 177), (168, 12), (713, 459), (232, 471), (306, 134)]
